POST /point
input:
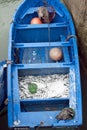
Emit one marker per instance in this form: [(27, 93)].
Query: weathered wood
[(78, 9)]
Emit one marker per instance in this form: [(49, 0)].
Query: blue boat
[(28, 55)]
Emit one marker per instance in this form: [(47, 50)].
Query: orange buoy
[(36, 20), (55, 54)]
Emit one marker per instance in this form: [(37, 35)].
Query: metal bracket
[(71, 36)]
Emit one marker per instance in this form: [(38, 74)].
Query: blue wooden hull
[(25, 38)]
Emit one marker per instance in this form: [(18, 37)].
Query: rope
[(45, 3)]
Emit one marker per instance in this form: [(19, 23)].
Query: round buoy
[(36, 20), (55, 54)]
